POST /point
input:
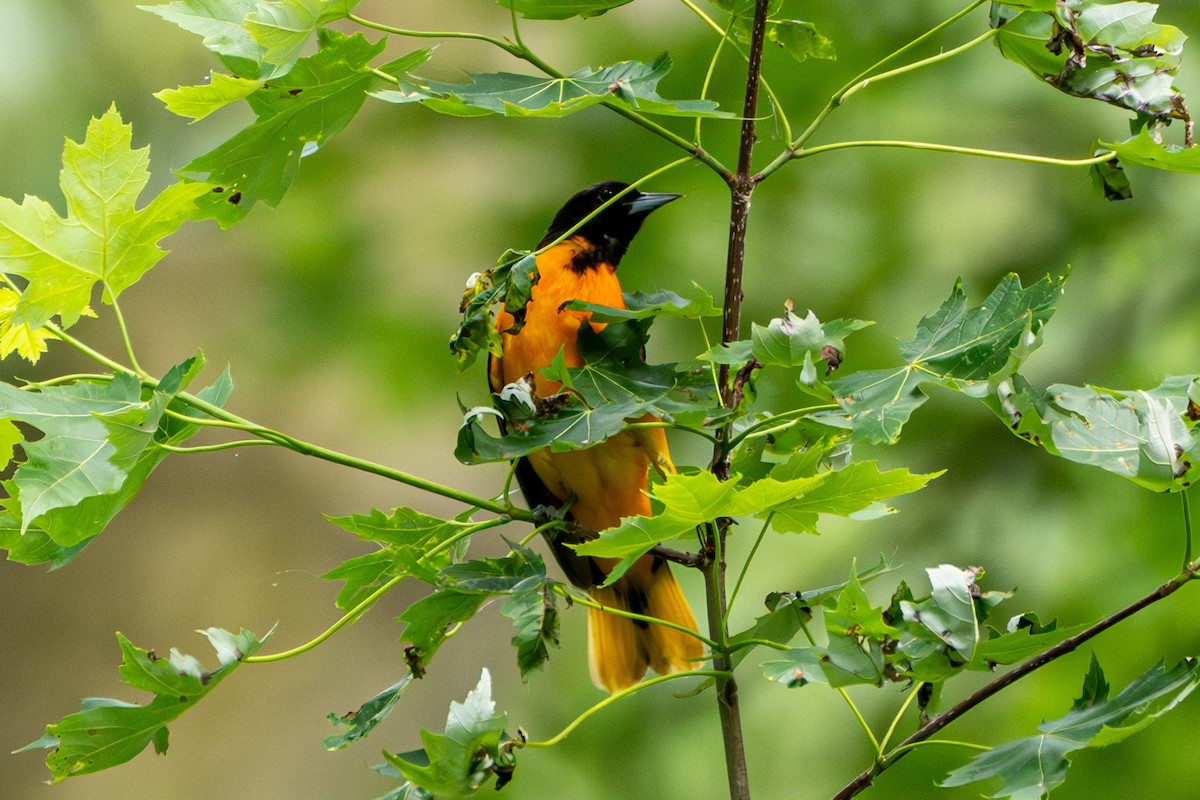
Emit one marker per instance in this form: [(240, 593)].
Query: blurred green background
[(334, 311)]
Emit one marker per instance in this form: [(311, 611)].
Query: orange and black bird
[(608, 481)]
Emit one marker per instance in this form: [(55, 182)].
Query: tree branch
[(741, 188)]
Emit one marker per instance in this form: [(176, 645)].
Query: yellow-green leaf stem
[(370, 600), (587, 602), (711, 673)]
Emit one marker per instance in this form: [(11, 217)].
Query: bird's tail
[(620, 649)]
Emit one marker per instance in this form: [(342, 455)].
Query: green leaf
[(296, 114), (197, 102), (429, 621), (613, 386), (1032, 767), (99, 447), (1143, 151), (854, 491), (283, 27), (103, 238), (788, 341), (1147, 436), (644, 305), (409, 539), (534, 613), (1110, 178), (950, 614), (508, 284), (691, 500), (105, 733), (466, 756), (220, 23), (561, 9), (967, 349), (1115, 53), (1024, 638), (788, 614), (361, 722), (531, 603), (800, 39), (632, 84)]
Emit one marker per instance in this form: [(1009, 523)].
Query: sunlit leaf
[(24, 339), (103, 239), (690, 500), (220, 23), (197, 102), (283, 27), (99, 447), (854, 491)]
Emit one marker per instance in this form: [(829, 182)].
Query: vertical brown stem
[(741, 186)]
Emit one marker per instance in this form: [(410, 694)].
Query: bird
[(603, 483)]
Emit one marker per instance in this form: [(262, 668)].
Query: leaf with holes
[(967, 349), (1149, 436)]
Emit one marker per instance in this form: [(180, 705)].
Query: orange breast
[(607, 481)]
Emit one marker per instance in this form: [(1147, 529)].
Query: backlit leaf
[(296, 114), (197, 102), (103, 239)]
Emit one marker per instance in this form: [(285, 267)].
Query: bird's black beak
[(644, 203)]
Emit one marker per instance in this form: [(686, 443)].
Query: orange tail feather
[(620, 649)]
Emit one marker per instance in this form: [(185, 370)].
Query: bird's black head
[(612, 229)]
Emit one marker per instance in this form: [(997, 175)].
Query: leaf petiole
[(347, 618), (746, 566), (887, 737), (1187, 531), (587, 602), (863, 724), (712, 673), (1107, 155)]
